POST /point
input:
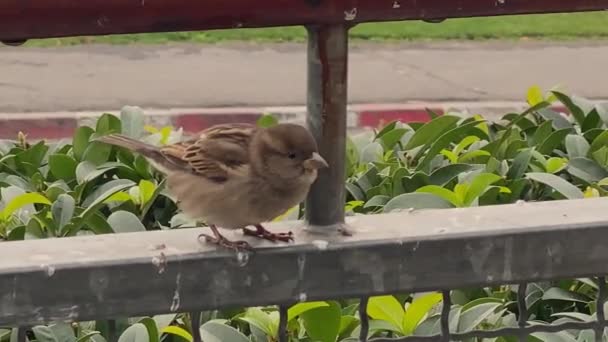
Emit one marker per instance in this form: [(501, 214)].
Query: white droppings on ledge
[(320, 244), (350, 15), (160, 261), (48, 269), (242, 258), (302, 297), (176, 301)]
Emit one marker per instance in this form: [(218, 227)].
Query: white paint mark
[(301, 266), (50, 270), (520, 202), (242, 258), (160, 262), (350, 15), (176, 298), (489, 277), (396, 4), (501, 2), (416, 246), (302, 297), (238, 25), (320, 244)]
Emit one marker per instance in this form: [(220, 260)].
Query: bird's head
[(289, 152)]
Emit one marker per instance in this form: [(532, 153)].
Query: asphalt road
[(106, 77)]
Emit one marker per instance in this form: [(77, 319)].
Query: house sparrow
[(236, 175)]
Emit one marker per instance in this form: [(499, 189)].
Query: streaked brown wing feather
[(216, 151)]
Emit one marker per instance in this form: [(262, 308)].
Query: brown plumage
[(236, 175)]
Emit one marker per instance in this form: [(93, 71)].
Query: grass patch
[(568, 26)]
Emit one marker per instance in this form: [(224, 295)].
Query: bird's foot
[(262, 233), (223, 242), (220, 240)]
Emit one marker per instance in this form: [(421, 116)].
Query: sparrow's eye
[(291, 155)]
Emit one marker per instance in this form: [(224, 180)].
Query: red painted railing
[(25, 19)]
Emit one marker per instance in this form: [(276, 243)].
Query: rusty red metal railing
[(26, 19)]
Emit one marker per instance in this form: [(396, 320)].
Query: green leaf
[(87, 171), (387, 308), (521, 163), (218, 332), (150, 325), (431, 131), (419, 308), (446, 174), (97, 153), (479, 185), (135, 333), (445, 139), (132, 119), (417, 201), (146, 191), (576, 146), (391, 138), (377, 201), (125, 222), (63, 210), (300, 308), (372, 153), (178, 331), (97, 198), (63, 332), (575, 110), (88, 337), (267, 120), (261, 320), (554, 164), (80, 141), (535, 95), (553, 141), (63, 167), (23, 200), (105, 189), (587, 170), (443, 193), (556, 293), (323, 323), (554, 119), (470, 319), (98, 224), (44, 334), (599, 142), (601, 156), (108, 123), (602, 111), (558, 184)]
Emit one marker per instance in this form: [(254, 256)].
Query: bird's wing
[(217, 152)]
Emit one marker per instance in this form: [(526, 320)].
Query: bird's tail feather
[(151, 152), (128, 143)]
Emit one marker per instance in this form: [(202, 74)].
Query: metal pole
[(327, 99)]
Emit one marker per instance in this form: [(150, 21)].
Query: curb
[(57, 125)]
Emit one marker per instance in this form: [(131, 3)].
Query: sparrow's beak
[(315, 162)]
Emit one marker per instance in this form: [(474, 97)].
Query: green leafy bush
[(77, 187)]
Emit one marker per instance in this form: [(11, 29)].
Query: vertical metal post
[(327, 99)]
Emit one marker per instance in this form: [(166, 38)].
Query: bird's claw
[(223, 242), (266, 235)]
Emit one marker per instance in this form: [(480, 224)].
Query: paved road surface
[(108, 77)]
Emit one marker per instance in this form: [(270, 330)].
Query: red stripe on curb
[(198, 122), (56, 128), (378, 118)]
